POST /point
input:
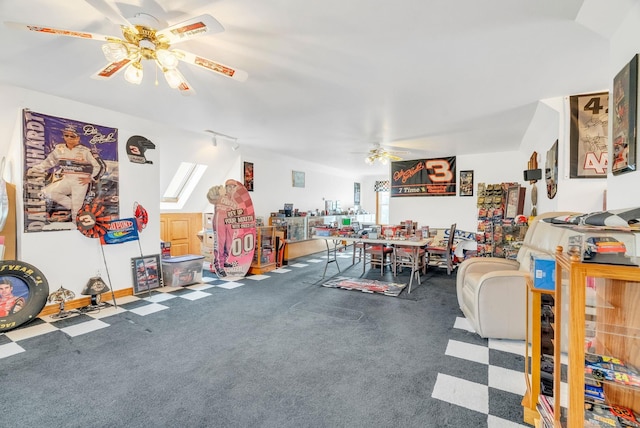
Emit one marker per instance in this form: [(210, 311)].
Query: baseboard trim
[(84, 301)]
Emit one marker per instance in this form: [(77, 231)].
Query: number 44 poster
[(234, 229)]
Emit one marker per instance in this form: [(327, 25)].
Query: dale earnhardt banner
[(424, 177)]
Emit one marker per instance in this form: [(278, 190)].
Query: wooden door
[(181, 230)]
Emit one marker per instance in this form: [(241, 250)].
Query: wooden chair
[(446, 252), (377, 255)]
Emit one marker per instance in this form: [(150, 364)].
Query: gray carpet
[(282, 352)]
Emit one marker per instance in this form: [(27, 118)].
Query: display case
[(295, 227), (540, 361), (264, 256), (603, 383)]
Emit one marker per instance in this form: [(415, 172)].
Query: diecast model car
[(603, 245), (605, 368)]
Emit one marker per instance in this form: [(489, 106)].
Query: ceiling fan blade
[(207, 64), (61, 32), (189, 29), (111, 69), (184, 87), (111, 13)]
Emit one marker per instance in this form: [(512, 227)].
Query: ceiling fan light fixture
[(133, 73), (115, 52), (174, 78), (167, 59)]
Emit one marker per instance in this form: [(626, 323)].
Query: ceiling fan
[(142, 40), (382, 155)]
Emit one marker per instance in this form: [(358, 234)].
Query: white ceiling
[(328, 78)]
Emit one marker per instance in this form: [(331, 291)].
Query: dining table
[(333, 242)]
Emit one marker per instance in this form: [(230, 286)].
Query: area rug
[(365, 285)]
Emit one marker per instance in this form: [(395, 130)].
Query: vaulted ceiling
[(329, 80)]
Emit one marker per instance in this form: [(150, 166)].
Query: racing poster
[(589, 136), (424, 177), (67, 163)]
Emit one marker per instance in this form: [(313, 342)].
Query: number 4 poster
[(234, 229), (589, 135)]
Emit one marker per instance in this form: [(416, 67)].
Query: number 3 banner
[(424, 177)]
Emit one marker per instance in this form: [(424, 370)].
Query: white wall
[(273, 183), (622, 190), (68, 258)]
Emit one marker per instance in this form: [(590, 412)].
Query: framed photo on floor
[(625, 100), (147, 273)]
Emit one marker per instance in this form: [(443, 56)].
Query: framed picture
[(147, 273), (589, 135), (356, 193), (515, 201), (551, 171), (625, 100), (466, 183), (248, 176), (297, 178)]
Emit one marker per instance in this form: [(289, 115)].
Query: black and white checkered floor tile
[(78, 322), (493, 381), (485, 376)]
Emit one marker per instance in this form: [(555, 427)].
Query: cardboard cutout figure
[(234, 229)]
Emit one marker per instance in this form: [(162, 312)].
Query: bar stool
[(379, 255)]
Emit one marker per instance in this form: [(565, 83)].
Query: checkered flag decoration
[(622, 218), (382, 186)]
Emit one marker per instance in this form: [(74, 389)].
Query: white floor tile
[(463, 324), (148, 309), (106, 312), (27, 332), (208, 279), (195, 295), (462, 393), (496, 422), (127, 299), (316, 261), (468, 351), (159, 297), (281, 270), (201, 286), (507, 380), (257, 277), (229, 285), (513, 346), (298, 265), (85, 327), (10, 349)]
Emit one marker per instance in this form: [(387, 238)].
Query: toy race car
[(603, 245), (604, 368), (604, 415)]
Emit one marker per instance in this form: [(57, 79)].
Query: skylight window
[(182, 184)]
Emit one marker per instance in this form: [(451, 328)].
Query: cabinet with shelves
[(543, 333), (264, 256), (604, 332)]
